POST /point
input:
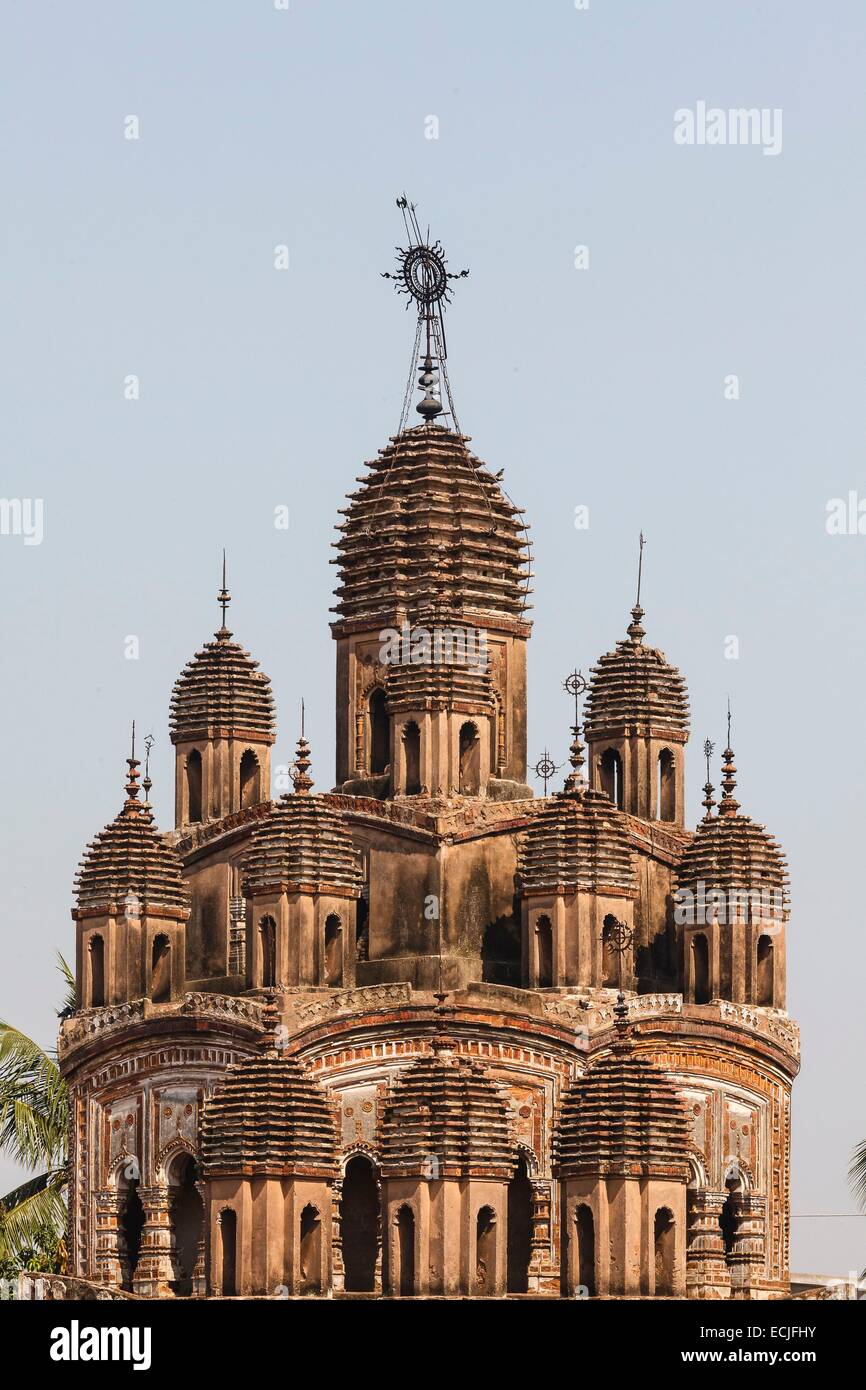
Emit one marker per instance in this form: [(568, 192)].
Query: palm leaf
[(857, 1174)]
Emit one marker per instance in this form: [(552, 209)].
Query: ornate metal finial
[(635, 628), (576, 684), (132, 763), (301, 778), (423, 276), (620, 1018), (147, 784), (224, 598), (546, 768), (728, 806), (709, 800)]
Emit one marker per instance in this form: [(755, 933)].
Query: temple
[(427, 1034)]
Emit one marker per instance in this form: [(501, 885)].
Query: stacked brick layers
[(267, 1118)]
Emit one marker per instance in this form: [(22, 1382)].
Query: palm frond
[(70, 997), (35, 1207), (857, 1174)]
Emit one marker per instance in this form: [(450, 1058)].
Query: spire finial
[(147, 784), (635, 628), (620, 1021), (301, 779), (132, 776), (576, 683), (709, 800), (728, 806), (224, 598)]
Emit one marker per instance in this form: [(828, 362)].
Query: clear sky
[(602, 387)]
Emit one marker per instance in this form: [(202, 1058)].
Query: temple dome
[(577, 841), (268, 1118), (732, 854), (222, 690), (624, 1116), (430, 524), (130, 857), (301, 843), (636, 685), (445, 1108)]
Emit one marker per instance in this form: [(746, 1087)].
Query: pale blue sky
[(601, 387)]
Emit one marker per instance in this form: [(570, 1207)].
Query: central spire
[(224, 598), (636, 630), (423, 276)]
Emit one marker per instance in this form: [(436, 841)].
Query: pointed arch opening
[(193, 786), (268, 948), (666, 786), (333, 951), (470, 760), (228, 1247), (611, 775), (610, 957), (160, 969), (701, 968), (359, 1222), (405, 1272), (131, 1227), (251, 780), (544, 952), (186, 1215), (310, 1250), (380, 732), (96, 971), (584, 1234), (519, 1228), (764, 991), (664, 1244), (412, 757), (485, 1251)]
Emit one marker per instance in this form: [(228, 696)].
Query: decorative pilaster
[(707, 1272), (110, 1256), (747, 1254), (156, 1266), (539, 1245), (338, 1276)]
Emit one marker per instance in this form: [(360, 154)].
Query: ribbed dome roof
[(446, 1118), (222, 688), (267, 1118), (430, 522), (635, 685), (624, 1116), (734, 855), (303, 840), (577, 841), (130, 857)]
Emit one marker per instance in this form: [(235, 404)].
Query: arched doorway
[(250, 779), (311, 1250), (187, 1220), (544, 948), (228, 1229), (412, 756), (664, 1238), (131, 1227), (764, 993), (160, 970), (359, 1223), (584, 1231), (701, 968), (380, 733), (333, 951), (610, 957), (519, 1228), (96, 960), (485, 1251), (405, 1281), (470, 760), (666, 790), (611, 775), (193, 786), (268, 943)]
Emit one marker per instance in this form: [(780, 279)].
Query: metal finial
[(642, 543), (224, 598), (576, 683), (423, 277), (635, 628), (545, 768), (147, 784), (132, 775), (301, 779), (729, 806), (708, 801), (302, 716)]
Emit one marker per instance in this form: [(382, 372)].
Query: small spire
[(301, 779), (576, 684), (147, 783), (620, 1021), (709, 800), (224, 598), (635, 628), (728, 806), (132, 777)]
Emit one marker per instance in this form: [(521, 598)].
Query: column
[(707, 1272)]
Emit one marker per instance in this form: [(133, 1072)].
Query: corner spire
[(301, 779), (728, 806), (709, 800), (224, 598), (132, 803), (576, 683), (635, 628), (147, 783)]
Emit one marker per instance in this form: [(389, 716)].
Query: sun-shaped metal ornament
[(620, 936), (423, 276)]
